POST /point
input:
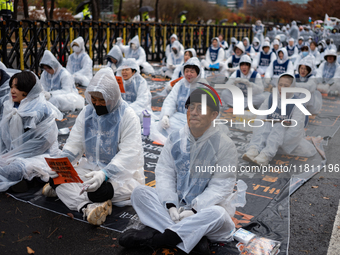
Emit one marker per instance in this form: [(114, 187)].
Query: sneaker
[(133, 238), (48, 191), (96, 213), (250, 155), (261, 159)]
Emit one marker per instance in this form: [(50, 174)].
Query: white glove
[(266, 81), (237, 80), (165, 122), (233, 69), (52, 174), (47, 95), (168, 87), (119, 40), (185, 213), (97, 178), (174, 215)]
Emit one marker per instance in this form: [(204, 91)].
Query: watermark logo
[(204, 97)]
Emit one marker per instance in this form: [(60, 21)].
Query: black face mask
[(175, 51), (101, 110)]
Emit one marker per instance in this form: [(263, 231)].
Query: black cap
[(196, 97)]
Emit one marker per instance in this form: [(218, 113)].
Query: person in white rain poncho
[(114, 58), (214, 56), (243, 78), (279, 66), (223, 43), (264, 59), (294, 31), (248, 48), (173, 114), (230, 51), (258, 30), (79, 63), (233, 61), (256, 46), (303, 54), (59, 85), (275, 46), (168, 49), (134, 50), (174, 59), (306, 79), (137, 94), (315, 52), (4, 88), (274, 134), (300, 43), (328, 73), (28, 133), (330, 44), (190, 206), (108, 131), (292, 50)]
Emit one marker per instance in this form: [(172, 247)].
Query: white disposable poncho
[(115, 53), (137, 94), (233, 61), (278, 67), (168, 48), (263, 60), (173, 59), (329, 73), (300, 58), (294, 31), (179, 182), (249, 48), (258, 31), (28, 134), (80, 64), (4, 89), (253, 79), (309, 82), (214, 55), (317, 56), (111, 142), (64, 94), (138, 54), (174, 103), (230, 50), (275, 138)]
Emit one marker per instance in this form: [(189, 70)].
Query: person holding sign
[(28, 133), (137, 94), (107, 130)]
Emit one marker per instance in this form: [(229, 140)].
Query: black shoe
[(133, 238), (20, 187), (202, 247)]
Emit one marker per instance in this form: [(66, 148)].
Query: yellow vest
[(145, 16), (183, 18), (86, 11), (6, 5)]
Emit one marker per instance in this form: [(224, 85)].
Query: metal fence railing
[(22, 43)]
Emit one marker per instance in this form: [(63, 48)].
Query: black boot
[(202, 247), (133, 238)]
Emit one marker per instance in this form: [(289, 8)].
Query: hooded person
[(305, 79), (108, 131), (173, 113), (114, 58), (230, 51), (59, 85), (294, 31), (278, 39), (4, 88), (275, 46), (137, 94), (313, 49), (175, 59), (292, 50), (264, 59), (303, 54), (322, 48), (28, 133), (188, 207), (223, 43), (279, 66), (258, 30), (79, 63), (248, 48), (134, 50), (232, 62), (276, 135), (214, 56), (300, 43), (256, 46), (243, 78), (330, 44), (168, 49), (328, 73)]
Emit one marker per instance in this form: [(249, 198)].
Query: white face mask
[(133, 46), (76, 48), (320, 47)]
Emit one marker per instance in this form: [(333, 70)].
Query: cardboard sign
[(175, 81), (65, 170), (120, 83)]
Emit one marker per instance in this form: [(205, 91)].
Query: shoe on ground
[(133, 238), (250, 155), (202, 247), (48, 191), (261, 159), (96, 213)]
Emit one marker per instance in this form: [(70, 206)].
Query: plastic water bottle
[(146, 123)]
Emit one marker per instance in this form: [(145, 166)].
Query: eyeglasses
[(198, 108)]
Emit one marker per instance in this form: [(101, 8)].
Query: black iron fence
[(22, 43)]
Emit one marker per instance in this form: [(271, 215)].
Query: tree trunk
[(52, 9), (46, 10), (15, 9), (120, 10), (95, 9), (140, 13), (25, 9), (156, 10)]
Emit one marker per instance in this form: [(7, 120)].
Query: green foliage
[(70, 5)]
